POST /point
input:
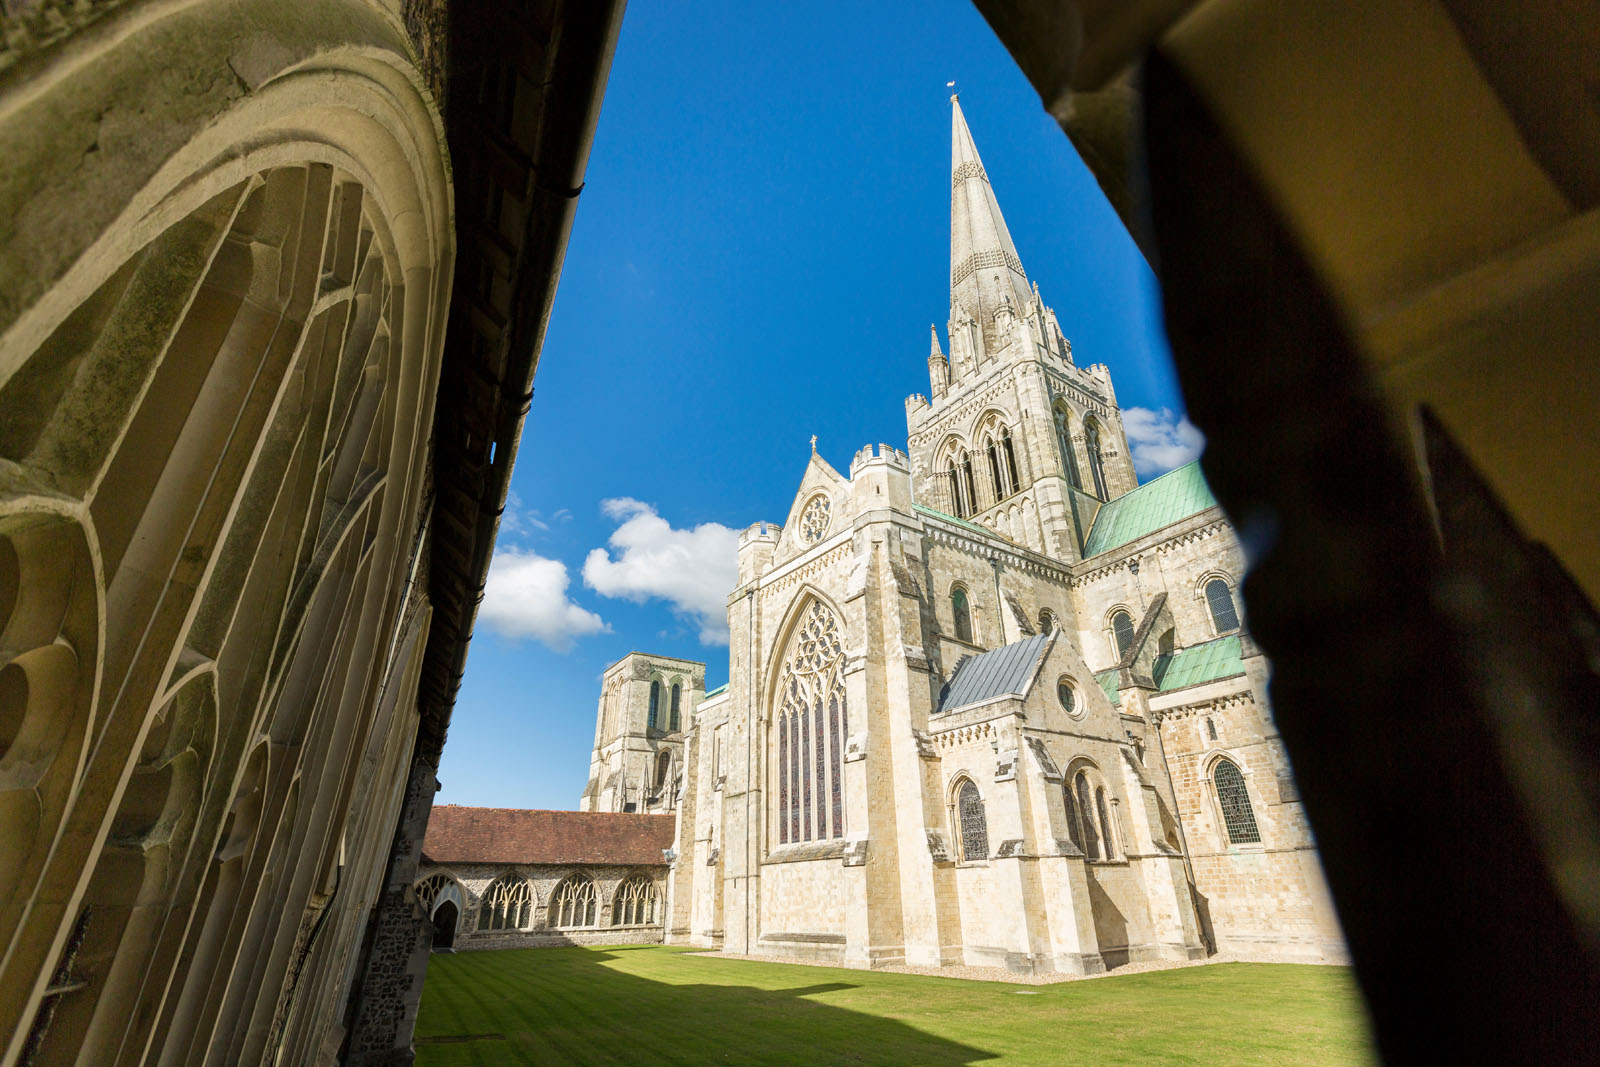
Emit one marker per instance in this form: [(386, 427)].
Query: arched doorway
[(444, 924)]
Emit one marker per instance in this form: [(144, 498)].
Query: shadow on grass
[(561, 1006)]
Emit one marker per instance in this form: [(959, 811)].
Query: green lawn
[(649, 1005)]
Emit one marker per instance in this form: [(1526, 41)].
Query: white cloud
[(1160, 440), (526, 596), (692, 569)]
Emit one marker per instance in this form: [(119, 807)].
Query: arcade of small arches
[(520, 902), (666, 706)]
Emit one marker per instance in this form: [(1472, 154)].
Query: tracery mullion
[(822, 767), (783, 778)]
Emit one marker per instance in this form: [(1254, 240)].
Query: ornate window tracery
[(811, 725), (573, 903), (635, 902), (972, 823), (1233, 797), (815, 519), (507, 905)]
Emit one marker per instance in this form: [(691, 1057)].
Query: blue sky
[(761, 244)]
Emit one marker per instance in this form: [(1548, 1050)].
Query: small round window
[(1069, 698), (814, 519)]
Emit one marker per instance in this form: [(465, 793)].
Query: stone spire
[(938, 368), (985, 272)]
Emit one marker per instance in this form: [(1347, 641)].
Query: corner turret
[(756, 545), (938, 368)]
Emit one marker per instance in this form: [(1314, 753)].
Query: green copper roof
[(1198, 664), (713, 692), (1108, 684), (951, 518), (1159, 502)]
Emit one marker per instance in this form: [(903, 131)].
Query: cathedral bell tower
[(1014, 435)]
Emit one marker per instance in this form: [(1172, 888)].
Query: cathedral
[(990, 701)]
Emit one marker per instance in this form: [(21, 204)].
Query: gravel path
[(993, 974)]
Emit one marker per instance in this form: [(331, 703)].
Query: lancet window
[(961, 611), (1122, 631), (811, 725), (1069, 462), (677, 700), (663, 766), (963, 497), (573, 903), (1009, 453), (635, 902), (655, 705), (996, 476), (1219, 598), (1091, 444), (507, 905), (972, 823), (1089, 839), (1238, 817)]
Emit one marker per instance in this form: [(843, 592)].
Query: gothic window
[(1220, 600), (427, 891), (507, 905), (1238, 817), (1047, 621), (962, 612), (1105, 824), (974, 828), (1069, 462), (663, 766), (814, 519), (635, 902), (1010, 453), (1122, 632), (1091, 841), (655, 704), (812, 725), (1072, 815), (573, 904), (677, 699), (992, 450), (1091, 444)]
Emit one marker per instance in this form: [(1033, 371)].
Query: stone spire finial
[(984, 268), (935, 352), (813, 444)]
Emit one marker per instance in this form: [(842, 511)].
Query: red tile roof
[(459, 834)]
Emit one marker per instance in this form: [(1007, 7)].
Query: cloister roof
[(459, 834)]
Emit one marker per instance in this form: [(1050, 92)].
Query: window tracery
[(635, 902), (812, 725), (573, 903), (815, 519), (1233, 797), (972, 823), (507, 905)]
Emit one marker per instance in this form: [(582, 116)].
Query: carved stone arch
[(436, 887), (279, 276), (792, 618), (808, 723)]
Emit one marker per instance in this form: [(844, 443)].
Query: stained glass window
[(507, 905), (573, 903), (1238, 817), (974, 827), (962, 613), (1122, 630), (1223, 614), (1091, 841), (635, 902), (783, 779), (813, 706)]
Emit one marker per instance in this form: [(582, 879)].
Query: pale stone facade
[(645, 704), (990, 701)]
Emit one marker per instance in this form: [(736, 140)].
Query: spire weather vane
[(951, 85)]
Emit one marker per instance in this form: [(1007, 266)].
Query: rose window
[(814, 520)]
